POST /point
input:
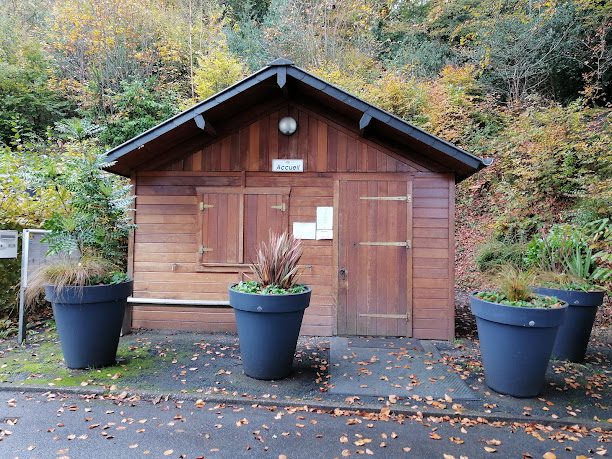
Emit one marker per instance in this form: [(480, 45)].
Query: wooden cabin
[(371, 196)]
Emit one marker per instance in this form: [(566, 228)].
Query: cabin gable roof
[(281, 78)]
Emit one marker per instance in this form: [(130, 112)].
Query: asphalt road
[(34, 425)]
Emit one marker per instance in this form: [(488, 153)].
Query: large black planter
[(515, 344), (574, 333), (268, 329), (89, 322)]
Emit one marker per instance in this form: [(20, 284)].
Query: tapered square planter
[(268, 330), (575, 332), (516, 344), (88, 321)]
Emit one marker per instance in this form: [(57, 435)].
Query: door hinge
[(204, 249), (282, 207), (407, 244), (206, 206), (407, 198)]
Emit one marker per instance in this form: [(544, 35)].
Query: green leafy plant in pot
[(269, 309), (87, 284), (517, 330), (573, 264)]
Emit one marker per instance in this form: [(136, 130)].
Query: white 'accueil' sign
[(287, 165)]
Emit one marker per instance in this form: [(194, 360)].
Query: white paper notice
[(325, 218), (304, 230), (325, 234)]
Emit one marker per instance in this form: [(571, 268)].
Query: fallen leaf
[(362, 441)]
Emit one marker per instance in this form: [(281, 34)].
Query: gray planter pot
[(515, 344), (268, 329), (574, 333), (89, 322)]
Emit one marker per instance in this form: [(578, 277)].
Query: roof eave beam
[(281, 80), (364, 122), (204, 126)]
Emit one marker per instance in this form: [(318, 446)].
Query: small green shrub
[(494, 254), (516, 229)]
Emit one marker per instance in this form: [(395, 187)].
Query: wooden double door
[(375, 258)]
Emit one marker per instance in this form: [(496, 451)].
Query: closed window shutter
[(263, 213), (221, 227), (234, 221)]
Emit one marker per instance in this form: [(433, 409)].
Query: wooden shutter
[(221, 228), (234, 220), (263, 213)]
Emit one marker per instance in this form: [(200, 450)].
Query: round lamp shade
[(287, 125)]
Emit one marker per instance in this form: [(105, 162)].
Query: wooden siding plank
[(429, 262), (321, 159), (423, 242), (430, 192), (430, 222)]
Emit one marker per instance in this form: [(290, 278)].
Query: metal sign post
[(33, 254)]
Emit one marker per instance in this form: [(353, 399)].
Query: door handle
[(342, 273)]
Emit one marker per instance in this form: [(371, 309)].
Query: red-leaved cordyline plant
[(277, 261)]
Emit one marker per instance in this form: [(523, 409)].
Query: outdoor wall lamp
[(287, 125)]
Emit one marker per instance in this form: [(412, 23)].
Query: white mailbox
[(8, 244)]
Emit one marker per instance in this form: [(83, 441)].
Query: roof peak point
[(280, 61)]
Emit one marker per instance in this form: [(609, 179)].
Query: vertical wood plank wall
[(165, 242)]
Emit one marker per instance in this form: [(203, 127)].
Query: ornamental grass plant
[(276, 267), (514, 290)]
